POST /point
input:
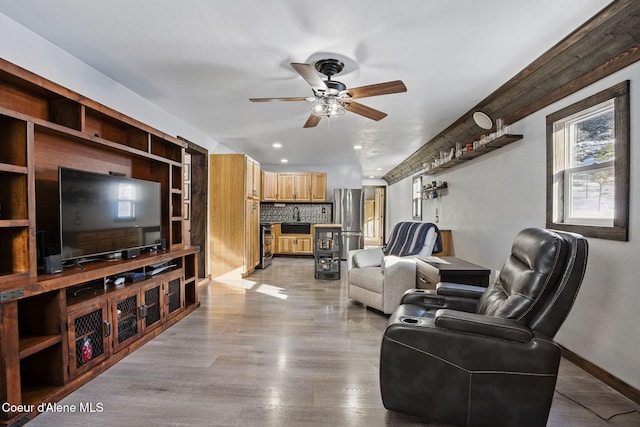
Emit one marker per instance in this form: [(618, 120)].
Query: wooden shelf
[(9, 223), (38, 394), (4, 167), (32, 345), (44, 126), (479, 151)]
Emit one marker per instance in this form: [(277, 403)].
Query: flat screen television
[(104, 214)]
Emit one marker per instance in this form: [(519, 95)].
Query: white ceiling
[(202, 60)]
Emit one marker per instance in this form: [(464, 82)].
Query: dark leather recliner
[(486, 357)]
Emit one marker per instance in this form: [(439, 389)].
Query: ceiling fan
[(331, 97)]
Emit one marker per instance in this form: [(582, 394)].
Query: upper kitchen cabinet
[(269, 186), (294, 187), (286, 191), (252, 178), (318, 187), (302, 187)]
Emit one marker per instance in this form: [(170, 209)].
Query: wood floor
[(281, 349)]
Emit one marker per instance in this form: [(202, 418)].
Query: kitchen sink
[(295, 228)]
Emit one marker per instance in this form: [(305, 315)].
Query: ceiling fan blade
[(386, 88), (363, 110), (276, 99), (310, 75), (312, 121)]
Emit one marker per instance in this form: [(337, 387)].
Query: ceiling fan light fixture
[(328, 107), (332, 98)]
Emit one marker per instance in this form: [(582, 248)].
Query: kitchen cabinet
[(295, 245), (318, 187), (294, 187), (252, 178), (292, 244), (269, 186), (286, 189), (252, 246), (302, 187), (234, 215)]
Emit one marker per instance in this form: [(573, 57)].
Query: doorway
[(374, 202)]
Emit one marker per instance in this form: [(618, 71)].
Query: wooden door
[(302, 187), (304, 245), (318, 187), (125, 314), (152, 302), (248, 177), (269, 186), (253, 235), (173, 293), (257, 180), (286, 245), (89, 334), (248, 240), (286, 187)]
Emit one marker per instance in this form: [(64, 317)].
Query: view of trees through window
[(590, 172), (588, 165)]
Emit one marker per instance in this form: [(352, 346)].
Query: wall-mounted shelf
[(477, 152), (429, 193)]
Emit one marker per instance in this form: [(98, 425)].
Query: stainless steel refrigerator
[(348, 210)]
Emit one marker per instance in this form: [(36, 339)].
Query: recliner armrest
[(459, 290), (478, 324), (430, 300)]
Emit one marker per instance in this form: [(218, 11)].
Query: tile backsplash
[(315, 213)]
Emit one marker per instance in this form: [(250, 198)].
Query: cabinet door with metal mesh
[(87, 331), (153, 307), (174, 295), (127, 312)]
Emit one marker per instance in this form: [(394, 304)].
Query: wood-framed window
[(588, 166), (416, 198)]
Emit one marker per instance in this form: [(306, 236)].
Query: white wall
[(494, 196), (30, 51), (399, 197)]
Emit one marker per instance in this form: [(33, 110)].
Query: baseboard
[(604, 376)]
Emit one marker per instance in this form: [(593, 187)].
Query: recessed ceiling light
[(276, 145), (283, 160), (371, 176), (357, 147), (378, 169)]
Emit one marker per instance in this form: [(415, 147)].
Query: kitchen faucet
[(296, 213)]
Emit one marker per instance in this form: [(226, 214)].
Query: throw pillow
[(371, 257)]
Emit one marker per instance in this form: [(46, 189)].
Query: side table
[(431, 270)]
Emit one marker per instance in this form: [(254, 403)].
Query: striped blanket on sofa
[(407, 238)]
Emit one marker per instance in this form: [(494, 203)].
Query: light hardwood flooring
[(281, 349)]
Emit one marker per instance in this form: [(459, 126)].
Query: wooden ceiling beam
[(603, 45)]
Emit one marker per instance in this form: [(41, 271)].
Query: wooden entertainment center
[(58, 331)]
